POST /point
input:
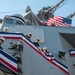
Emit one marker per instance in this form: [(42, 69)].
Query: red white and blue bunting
[(50, 58), (72, 52), (9, 61), (19, 19)]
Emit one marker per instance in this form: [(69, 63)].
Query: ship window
[(18, 23), (8, 21)]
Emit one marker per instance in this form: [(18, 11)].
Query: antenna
[(71, 15)]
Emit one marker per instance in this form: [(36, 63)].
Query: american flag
[(59, 21)]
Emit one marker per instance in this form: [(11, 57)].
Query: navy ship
[(20, 56)]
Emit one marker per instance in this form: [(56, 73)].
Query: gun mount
[(48, 12)]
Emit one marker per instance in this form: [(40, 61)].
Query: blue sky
[(9, 7)]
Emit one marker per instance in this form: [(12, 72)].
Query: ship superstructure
[(20, 56)]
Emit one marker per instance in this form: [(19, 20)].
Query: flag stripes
[(59, 21)]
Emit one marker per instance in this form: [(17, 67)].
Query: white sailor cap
[(45, 48), (2, 38), (37, 39), (29, 34), (6, 28)]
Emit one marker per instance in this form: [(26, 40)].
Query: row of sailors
[(44, 49), (29, 35), (36, 43)]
